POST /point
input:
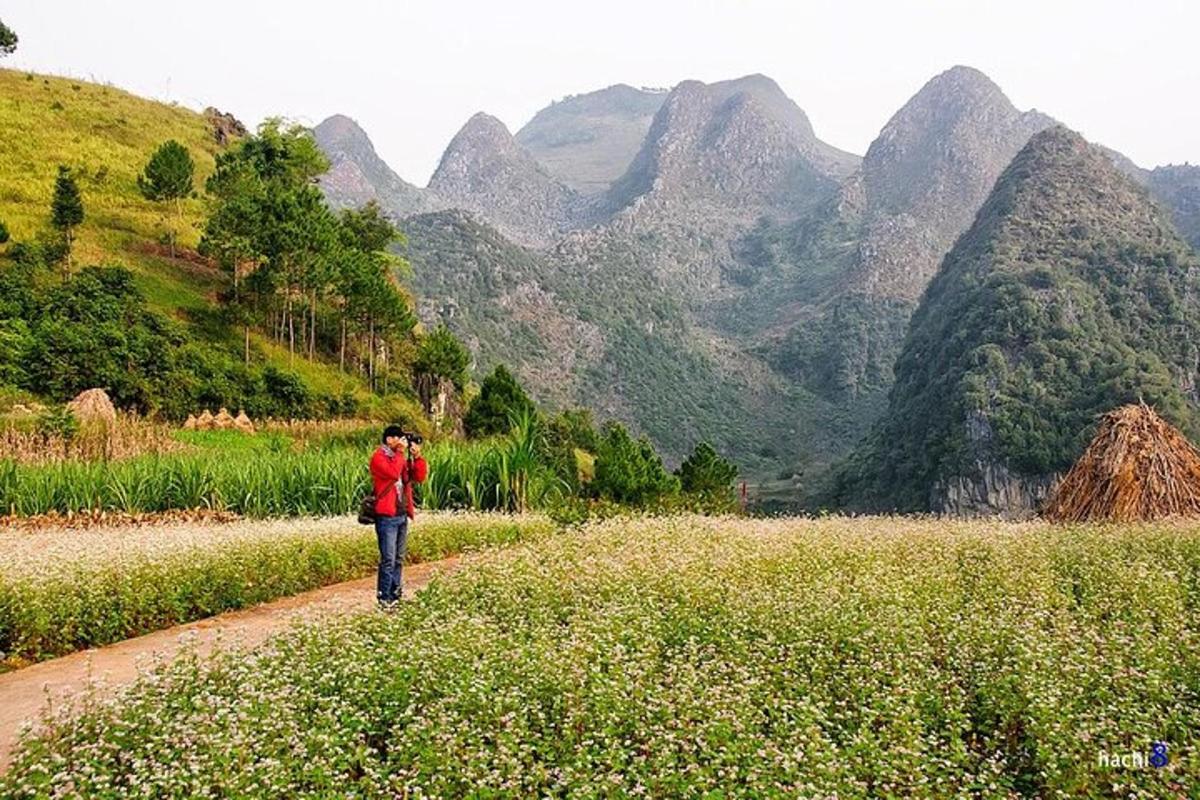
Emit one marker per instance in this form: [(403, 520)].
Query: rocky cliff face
[(484, 170), (357, 174), (985, 487), (587, 141), (991, 491)]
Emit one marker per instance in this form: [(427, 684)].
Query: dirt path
[(23, 692)]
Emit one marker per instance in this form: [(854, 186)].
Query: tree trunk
[(67, 269), (312, 326), (291, 326), (371, 354), (342, 348)]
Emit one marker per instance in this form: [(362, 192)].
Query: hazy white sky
[(1123, 73)]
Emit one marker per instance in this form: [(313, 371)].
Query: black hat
[(392, 430)]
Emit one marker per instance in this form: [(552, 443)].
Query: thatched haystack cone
[(190, 423), (243, 423), (223, 421), (205, 421), (93, 407), (1138, 467)]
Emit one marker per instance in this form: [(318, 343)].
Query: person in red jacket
[(393, 476)]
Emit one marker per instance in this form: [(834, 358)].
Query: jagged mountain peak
[(959, 130), (357, 174), (1060, 177), (741, 144), (485, 170), (588, 140), (337, 128), (483, 126)]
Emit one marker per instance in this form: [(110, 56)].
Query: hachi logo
[(1137, 759)]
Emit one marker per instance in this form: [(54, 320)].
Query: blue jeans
[(392, 533)]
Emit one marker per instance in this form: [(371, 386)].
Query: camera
[(413, 437)]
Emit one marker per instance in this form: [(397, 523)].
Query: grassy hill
[(106, 135)]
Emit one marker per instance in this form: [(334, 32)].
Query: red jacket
[(385, 471)]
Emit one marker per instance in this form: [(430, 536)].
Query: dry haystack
[(93, 406), (243, 423), (205, 421), (190, 423), (1138, 467), (223, 420)]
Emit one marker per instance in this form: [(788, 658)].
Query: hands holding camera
[(412, 443)]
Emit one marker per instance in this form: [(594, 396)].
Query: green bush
[(629, 471)]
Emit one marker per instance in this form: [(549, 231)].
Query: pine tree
[(168, 176), (500, 398), (705, 473), (441, 355), (66, 210)]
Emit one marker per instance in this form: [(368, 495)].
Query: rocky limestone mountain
[(927, 173), (838, 288), (741, 146), (717, 159), (484, 170), (1070, 294), (587, 141), (740, 281), (357, 174)]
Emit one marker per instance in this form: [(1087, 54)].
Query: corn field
[(503, 474)]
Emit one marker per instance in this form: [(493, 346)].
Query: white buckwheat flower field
[(64, 589), (690, 657)]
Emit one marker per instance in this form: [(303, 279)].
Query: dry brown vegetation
[(128, 435), (1138, 467)]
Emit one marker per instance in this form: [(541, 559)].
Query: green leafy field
[(268, 475), (696, 657)]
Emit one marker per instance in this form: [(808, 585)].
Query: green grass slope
[(106, 135)]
